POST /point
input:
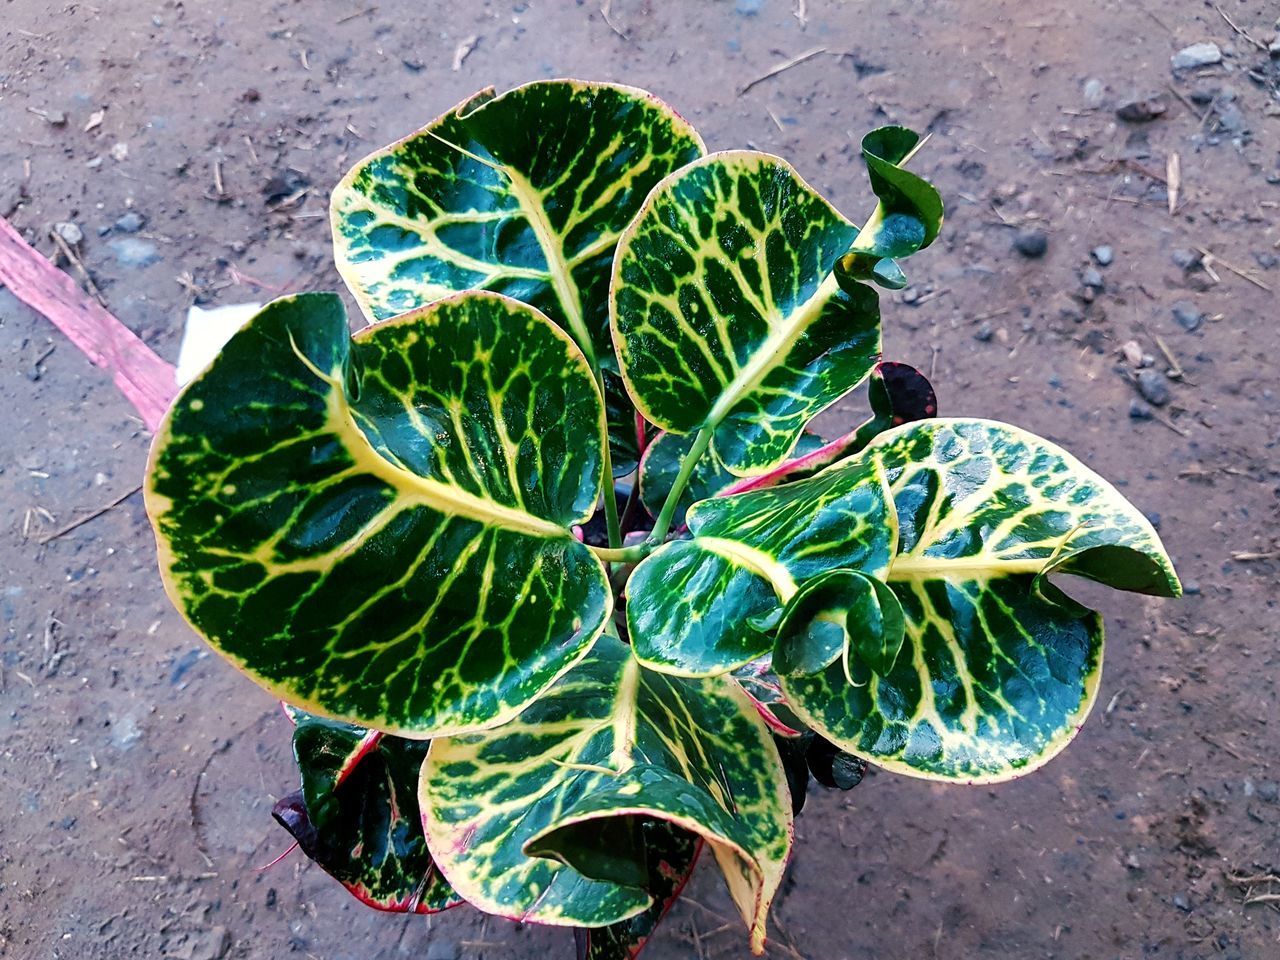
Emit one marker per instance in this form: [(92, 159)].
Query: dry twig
[(780, 67)]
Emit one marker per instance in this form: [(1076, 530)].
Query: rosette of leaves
[(386, 529)]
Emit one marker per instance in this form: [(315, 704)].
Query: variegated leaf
[(897, 392), (726, 314), (357, 815), (378, 530), (705, 606), (999, 668), (763, 688), (523, 193), (907, 218), (542, 819)]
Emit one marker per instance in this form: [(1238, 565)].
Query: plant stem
[(621, 554), (610, 498), (668, 512)]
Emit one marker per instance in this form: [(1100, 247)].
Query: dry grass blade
[(1238, 271), (91, 515), (1240, 30), (463, 50), (780, 67), (1173, 177)]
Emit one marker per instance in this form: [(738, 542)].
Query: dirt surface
[(137, 771)]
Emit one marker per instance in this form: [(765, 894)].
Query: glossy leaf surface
[(524, 194), (725, 311), (378, 529), (708, 605), (842, 615), (610, 747), (998, 668), (357, 815), (906, 219)]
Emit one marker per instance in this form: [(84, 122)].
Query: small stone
[(1266, 261), (1140, 410), (1153, 518), (1104, 255), (1188, 317), (1231, 119), (69, 232), (1141, 111), (131, 222), (1092, 278), (132, 252), (984, 333), (1268, 791), (1274, 48), (1154, 387), (1180, 902), (120, 152), (1132, 352), (1197, 55), (748, 8), (1191, 588), (1095, 92), (1186, 259), (1031, 243)]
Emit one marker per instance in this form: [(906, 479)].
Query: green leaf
[(907, 218), (611, 741), (357, 815), (671, 854), (726, 315), (524, 194), (999, 668), (703, 606), (763, 688), (378, 529), (841, 614)]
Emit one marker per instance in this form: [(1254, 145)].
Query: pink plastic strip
[(137, 371)]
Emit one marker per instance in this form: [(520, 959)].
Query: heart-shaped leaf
[(357, 815), (524, 194), (726, 315), (610, 748), (998, 668), (691, 603), (378, 529)]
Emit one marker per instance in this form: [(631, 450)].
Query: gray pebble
[(1196, 55), (1095, 92), (1186, 259), (984, 332), (1154, 387), (1268, 791), (1092, 278), (1231, 118), (69, 232), (132, 252), (1180, 902), (1139, 410), (1188, 317), (131, 222), (1031, 243), (1104, 255), (1143, 110)]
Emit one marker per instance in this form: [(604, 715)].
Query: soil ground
[(137, 771)]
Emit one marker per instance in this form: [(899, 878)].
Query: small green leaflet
[(708, 605), (842, 614), (907, 218), (515, 815), (726, 314), (357, 815), (998, 668), (523, 193), (378, 529)]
